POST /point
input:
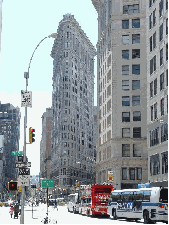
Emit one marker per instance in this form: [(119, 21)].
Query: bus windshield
[(164, 195)]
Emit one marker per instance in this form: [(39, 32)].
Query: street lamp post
[(26, 76)]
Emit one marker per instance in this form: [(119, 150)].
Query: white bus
[(73, 203), (150, 204)]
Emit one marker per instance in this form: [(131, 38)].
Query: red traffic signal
[(12, 186)]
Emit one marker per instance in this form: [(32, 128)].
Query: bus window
[(125, 196), (163, 195), (115, 196), (138, 195), (146, 196)]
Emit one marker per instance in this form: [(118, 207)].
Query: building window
[(155, 111), (153, 65), (154, 165), (167, 26), (150, 21), (154, 40), (135, 84), (124, 173), (161, 32), (125, 132), (136, 69), (125, 24), (135, 23), (125, 54), (162, 107), (135, 38), (166, 5), (125, 39), (152, 113), (166, 77), (136, 116), (164, 157), (132, 173), (136, 100), (125, 116), (135, 53), (136, 132), (164, 132), (139, 173), (151, 89), (154, 17), (125, 85), (125, 100), (125, 150), (151, 43), (137, 149), (155, 86), (125, 70), (129, 9), (167, 52), (154, 137), (161, 8), (162, 81)]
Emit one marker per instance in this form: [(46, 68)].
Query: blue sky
[(24, 24)]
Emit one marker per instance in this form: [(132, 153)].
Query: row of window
[(136, 132), (135, 23), (126, 39), (130, 9), (134, 173), (153, 39), (153, 109), (137, 150), (135, 54), (135, 69), (163, 84), (154, 135), (153, 60), (135, 100), (126, 85), (156, 160), (126, 116)]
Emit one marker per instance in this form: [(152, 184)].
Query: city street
[(62, 216)]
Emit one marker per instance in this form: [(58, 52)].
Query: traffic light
[(31, 135), (12, 186)]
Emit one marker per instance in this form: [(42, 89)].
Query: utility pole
[(26, 76)]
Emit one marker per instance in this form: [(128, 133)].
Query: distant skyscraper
[(157, 91), (45, 147), (10, 129), (72, 102), (122, 92)]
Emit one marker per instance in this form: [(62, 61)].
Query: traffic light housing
[(31, 135), (12, 186)]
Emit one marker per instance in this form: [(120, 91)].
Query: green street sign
[(47, 183), (16, 153)]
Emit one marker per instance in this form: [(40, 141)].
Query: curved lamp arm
[(26, 74)]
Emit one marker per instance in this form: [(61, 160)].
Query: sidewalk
[(38, 214)]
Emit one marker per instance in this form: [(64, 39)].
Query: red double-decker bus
[(94, 200)]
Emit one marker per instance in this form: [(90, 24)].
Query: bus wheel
[(114, 215), (146, 217), (88, 213)]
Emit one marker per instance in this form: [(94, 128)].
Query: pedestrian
[(11, 210)]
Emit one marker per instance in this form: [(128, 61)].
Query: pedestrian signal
[(12, 186)]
